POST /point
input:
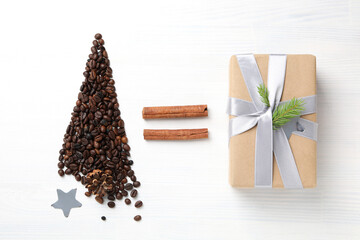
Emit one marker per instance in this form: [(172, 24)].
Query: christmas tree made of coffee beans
[(95, 149)]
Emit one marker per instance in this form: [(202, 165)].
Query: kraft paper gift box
[(300, 81)]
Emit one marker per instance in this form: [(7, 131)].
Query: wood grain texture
[(174, 53)]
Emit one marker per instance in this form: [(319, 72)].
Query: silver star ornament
[(66, 201)]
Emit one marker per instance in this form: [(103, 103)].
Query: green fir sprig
[(264, 94), (284, 112)]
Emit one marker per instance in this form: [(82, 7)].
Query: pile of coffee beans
[(95, 138)]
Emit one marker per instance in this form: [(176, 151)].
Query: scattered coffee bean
[(137, 184), (133, 193), (138, 204), (137, 218), (103, 218), (111, 204), (127, 201), (96, 150)]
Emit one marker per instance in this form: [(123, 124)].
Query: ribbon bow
[(269, 141)]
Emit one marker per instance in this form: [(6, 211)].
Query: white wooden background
[(173, 53)]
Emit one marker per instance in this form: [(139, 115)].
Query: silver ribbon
[(248, 114)]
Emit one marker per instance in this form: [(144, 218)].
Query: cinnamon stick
[(176, 134), (175, 111)]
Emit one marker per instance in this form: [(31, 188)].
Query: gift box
[(299, 82)]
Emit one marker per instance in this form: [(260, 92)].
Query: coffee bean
[(137, 184), (124, 139), (133, 178), (99, 199), (92, 64), (86, 74), (138, 204), (128, 186), (98, 114), (124, 193), (119, 196), (96, 144), (126, 147), (68, 171), (98, 138), (112, 135), (98, 36), (110, 164), (93, 49), (130, 173), (92, 76), (111, 197), (137, 218), (111, 204), (61, 172), (83, 181), (61, 165), (88, 194), (127, 201), (97, 99), (78, 177), (73, 166), (133, 193), (103, 218)]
